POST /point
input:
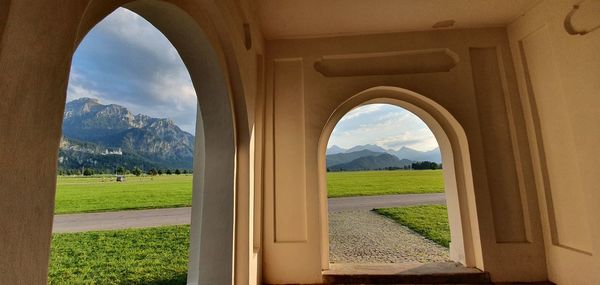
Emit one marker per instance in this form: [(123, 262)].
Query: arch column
[(37, 46), (33, 87)]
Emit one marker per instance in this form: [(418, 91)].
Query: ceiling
[(314, 18)]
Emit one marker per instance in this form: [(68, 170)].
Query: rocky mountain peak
[(155, 140), (80, 106)]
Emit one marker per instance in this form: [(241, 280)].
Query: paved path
[(181, 216), (384, 201), (121, 220)]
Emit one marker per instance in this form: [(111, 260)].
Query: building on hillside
[(113, 152)]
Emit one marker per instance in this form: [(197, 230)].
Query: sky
[(385, 125), (125, 60)]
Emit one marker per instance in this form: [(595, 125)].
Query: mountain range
[(404, 152), (104, 137), (108, 136), (372, 157)]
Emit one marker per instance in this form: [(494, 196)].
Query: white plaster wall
[(488, 109), (38, 41), (559, 83)]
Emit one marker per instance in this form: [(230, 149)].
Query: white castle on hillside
[(117, 152)]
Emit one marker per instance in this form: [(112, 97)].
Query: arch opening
[(465, 246), (383, 161), (211, 251)]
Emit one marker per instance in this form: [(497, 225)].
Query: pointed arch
[(221, 125)]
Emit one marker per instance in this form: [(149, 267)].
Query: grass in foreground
[(102, 193), (428, 221), (366, 183), (140, 256)]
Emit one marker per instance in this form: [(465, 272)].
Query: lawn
[(140, 256), (364, 183), (103, 193), (428, 221), (77, 194)]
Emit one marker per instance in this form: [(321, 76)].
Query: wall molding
[(387, 63)]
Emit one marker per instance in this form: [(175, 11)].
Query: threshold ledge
[(404, 273)]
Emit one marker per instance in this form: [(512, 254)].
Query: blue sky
[(385, 125), (125, 60)]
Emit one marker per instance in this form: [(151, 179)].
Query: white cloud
[(420, 139), (360, 111), (76, 91), (174, 90), (385, 125), (135, 30), (125, 60)]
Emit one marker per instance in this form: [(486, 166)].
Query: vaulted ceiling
[(314, 18)]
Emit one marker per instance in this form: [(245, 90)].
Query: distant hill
[(339, 158), (433, 155), (412, 154), (74, 154), (335, 150), (107, 136), (371, 162), (370, 147)]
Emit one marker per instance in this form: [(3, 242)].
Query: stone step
[(464, 279), (404, 273)]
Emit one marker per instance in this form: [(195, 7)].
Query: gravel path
[(362, 236)]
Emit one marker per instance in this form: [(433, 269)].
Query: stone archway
[(211, 251), (37, 46), (465, 246)]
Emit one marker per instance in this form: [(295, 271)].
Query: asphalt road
[(385, 201), (181, 216), (121, 220)]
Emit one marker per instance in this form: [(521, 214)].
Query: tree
[(88, 172), (136, 171), (185, 171), (169, 172), (152, 172), (120, 170), (160, 172), (177, 171), (425, 165)]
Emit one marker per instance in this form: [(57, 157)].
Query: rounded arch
[(466, 245), (221, 122)]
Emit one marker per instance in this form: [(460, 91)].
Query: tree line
[(420, 165), (123, 171)]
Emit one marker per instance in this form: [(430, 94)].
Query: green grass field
[(79, 194), (102, 193), (160, 255), (140, 256), (365, 183), (428, 221)]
